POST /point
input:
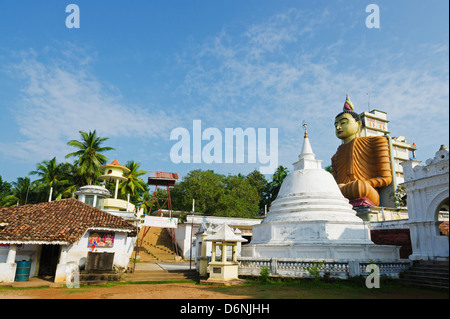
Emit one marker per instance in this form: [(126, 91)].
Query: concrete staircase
[(99, 278), (427, 274), (157, 246)]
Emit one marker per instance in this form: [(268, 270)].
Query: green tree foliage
[(275, 185), (89, 156), (135, 185), (22, 192), (155, 199), (5, 190), (216, 194), (205, 187), (240, 198), (52, 175), (145, 202), (259, 182)]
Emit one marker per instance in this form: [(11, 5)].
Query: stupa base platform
[(321, 251)]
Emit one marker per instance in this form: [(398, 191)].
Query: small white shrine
[(224, 267), (311, 219)]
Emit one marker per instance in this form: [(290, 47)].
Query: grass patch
[(355, 288), (6, 288)]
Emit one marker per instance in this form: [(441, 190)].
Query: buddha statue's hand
[(360, 189)]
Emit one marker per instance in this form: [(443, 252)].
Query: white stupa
[(311, 219)]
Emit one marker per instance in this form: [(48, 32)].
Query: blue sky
[(136, 70)]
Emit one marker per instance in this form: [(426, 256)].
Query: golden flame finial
[(305, 126)]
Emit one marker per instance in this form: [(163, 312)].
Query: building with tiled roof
[(58, 235), (59, 222)]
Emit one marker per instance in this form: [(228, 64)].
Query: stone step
[(443, 270), (144, 271), (157, 246), (93, 282), (427, 274), (425, 283), (434, 273), (426, 278), (99, 278), (158, 276)]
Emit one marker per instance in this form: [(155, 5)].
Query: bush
[(264, 275)]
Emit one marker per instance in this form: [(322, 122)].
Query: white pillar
[(117, 188), (8, 269), (213, 252), (61, 273), (63, 255), (11, 254), (94, 203), (224, 252)]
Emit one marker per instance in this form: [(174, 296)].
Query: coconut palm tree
[(52, 175), (21, 193), (134, 182), (89, 154), (5, 190), (74, 178), (277, 179), (146, 202)]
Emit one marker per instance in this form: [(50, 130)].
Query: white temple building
[(427, 188), (100, 197), (311, 219)]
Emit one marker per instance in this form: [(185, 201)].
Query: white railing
[(386, 268), (299, 268)]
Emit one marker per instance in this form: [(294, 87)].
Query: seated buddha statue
[(361, 165)]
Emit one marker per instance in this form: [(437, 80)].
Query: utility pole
[(192, 230)]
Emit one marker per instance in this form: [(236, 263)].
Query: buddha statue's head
[(347, 125)]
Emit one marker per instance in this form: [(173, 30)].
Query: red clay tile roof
[(115, 162), (64, 220)]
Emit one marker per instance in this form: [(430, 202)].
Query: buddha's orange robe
[(363, 165)]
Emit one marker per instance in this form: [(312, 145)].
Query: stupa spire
[(307, 158), (306, 149)]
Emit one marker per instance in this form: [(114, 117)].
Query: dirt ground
[(144, 291), (190, 290)]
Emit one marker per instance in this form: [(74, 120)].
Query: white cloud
[(295, 67), (62, 97)]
